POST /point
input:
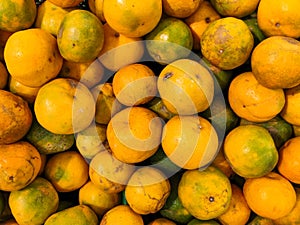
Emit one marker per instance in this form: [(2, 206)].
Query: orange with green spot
[(33, 204), (250, 143), (227, 43), (80, 36), (212, 189), (17, 15), (132, 18), (171, 39), (78, 214)]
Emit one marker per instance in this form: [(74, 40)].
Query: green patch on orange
[(212, 189), (17, 15), (250, 143), (86, 45), (171, 39)]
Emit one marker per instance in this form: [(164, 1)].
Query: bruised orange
[(227, 43)]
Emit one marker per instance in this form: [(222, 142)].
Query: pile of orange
[(149, 112)]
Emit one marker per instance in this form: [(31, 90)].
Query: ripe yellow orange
[(97, 199), (180, 9), (199, 20), (290, 110), (134, 134), (67, 171), (119, 50), (186, 87), (274, 62), (121, 214), (289, 160), (238, 211), (252, 101), (66, 3), (134, 84), (190, 142), (147, 190), (109, 173), (32, 56), (279, 17), (64, 106), (49, 17), (271, 196)]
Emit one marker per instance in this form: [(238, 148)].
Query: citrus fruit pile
[(116, 112)]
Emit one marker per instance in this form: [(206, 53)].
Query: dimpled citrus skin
[(227, 43)]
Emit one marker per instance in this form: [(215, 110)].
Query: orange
[(3, 76), (66, 3), (134, 84), (134, 134), (235, 8), (180, 9), (170, 40), (97, 199), (205, 194), (86, 45), (291, 108), (106, 103), (271, 196), (91, 140), (289, 160), (227, 43), (147, 190), (67, 171), (186, 87), (17, 14), (203, 222), (251, 151), (238, 211), (9, 222), (89, 73), (16, 117), (161, 221), (274, 62), (64, 106), (279, 18), (96, 7), (221, 163), (258, 220), (294, 216), (119, 50), (27, 93), (252, 101), (190, 142), (132, 18), (34, 203), (121, 214), (108, 173), (32, 57), (20, 164), (49, 17), (200, 19), (78, 214)]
